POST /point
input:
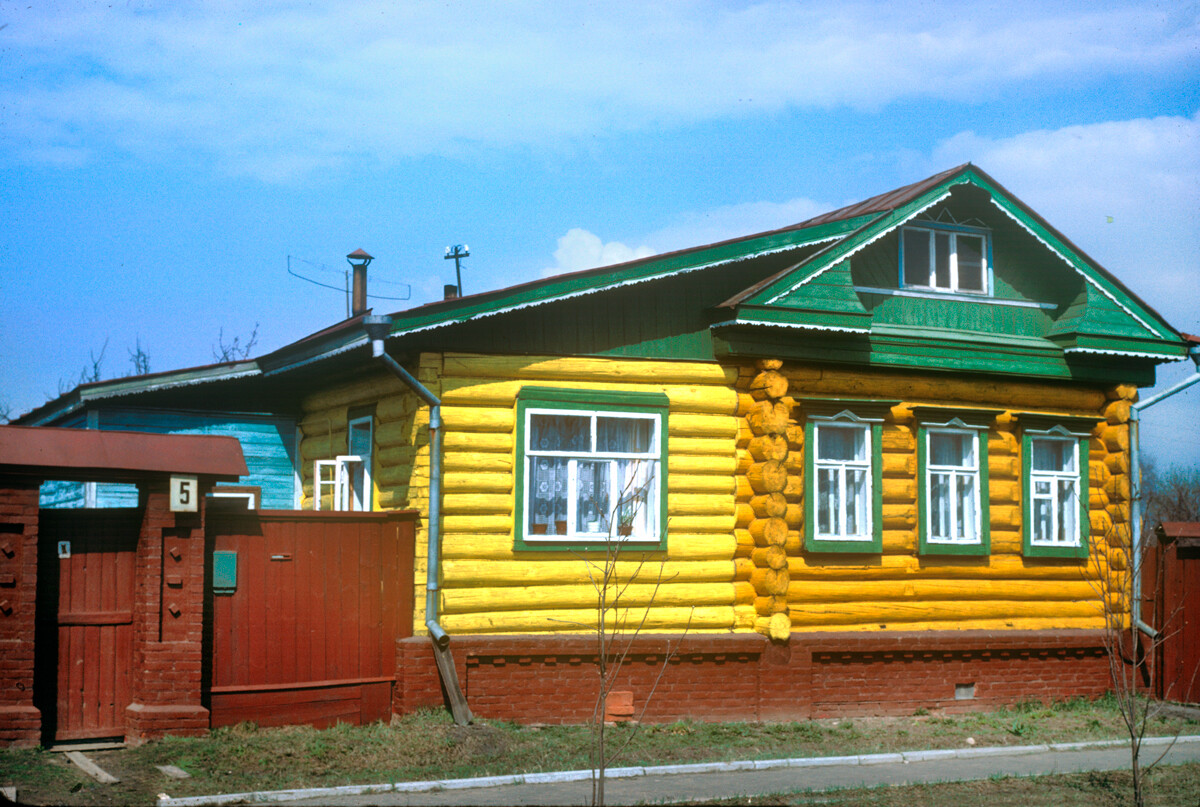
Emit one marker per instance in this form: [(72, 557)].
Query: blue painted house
[(268, 438)]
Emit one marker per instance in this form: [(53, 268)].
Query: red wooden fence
[(309, 633)]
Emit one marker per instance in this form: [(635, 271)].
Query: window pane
[(827, 500), (548, 495), (970, 263), (560, 433), (856, 505), (841, 443), (635, 506), (625, 435), (939, 505), (953, 450), (1054, 455), (916, 257), (1043, 520), (965, 529), (942, 260), (1068, 511), (359, 443), (593, 507)]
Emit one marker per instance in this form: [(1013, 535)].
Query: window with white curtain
[(843, 470), (591, 475), (952, 509), (1054, 491)]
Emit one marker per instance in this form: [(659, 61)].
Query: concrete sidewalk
[(675, 783)]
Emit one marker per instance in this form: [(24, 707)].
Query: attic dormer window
[(942, 257)]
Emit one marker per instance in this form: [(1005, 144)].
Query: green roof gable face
[(1027, 301)]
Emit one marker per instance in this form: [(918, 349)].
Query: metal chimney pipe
[(359, 260)]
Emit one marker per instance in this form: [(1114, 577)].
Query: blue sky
[(159, 162)]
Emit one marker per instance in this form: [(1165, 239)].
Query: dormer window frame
[(952, 233)]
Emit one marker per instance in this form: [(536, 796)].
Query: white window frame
[(1054, 478), (646, 525), (338, 483), (841, 468), (975, 536), (930, 283)]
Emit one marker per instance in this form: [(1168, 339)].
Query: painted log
[(1050, 592), (767, 417), (767, 477), (769, 505), (768, 384), (768, 447), (770, 556), (540, 598), (765, 606), (560, 369), (583, 620), (768, 531), (744, 514), (1030, 624)]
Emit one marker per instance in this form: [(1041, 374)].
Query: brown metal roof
[(1174, 530), (89, 454), (883, 202)]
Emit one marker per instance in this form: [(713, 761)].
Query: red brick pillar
[(168, 622), (20, 720)]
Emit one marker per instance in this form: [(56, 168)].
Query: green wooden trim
[(873, 230), (814, 544), (562, 286), (924, 545), (1085, 523), (865, 408), (970, 417), (655, 403), (1076, 425)]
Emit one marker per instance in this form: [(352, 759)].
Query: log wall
[(735, 559)]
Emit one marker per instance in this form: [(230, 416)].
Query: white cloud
[(275, 89), (580, 249)]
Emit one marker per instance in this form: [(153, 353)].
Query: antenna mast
[(457, 253)]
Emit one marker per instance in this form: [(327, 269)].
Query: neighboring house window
[(346, 479), (952, 480), (843, 474), (592, 467), (945, 258), (1054, 455)]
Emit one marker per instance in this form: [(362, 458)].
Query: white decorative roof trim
[(797, 325), (861, 246), (1137, 354), (1081, 273), (189, 382), (597, 289), (362, 340)]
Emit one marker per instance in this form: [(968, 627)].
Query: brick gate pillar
[(20, 720), (168, 621)]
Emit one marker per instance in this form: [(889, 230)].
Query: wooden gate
[(1175, 600), (308, 632), (85, 620)]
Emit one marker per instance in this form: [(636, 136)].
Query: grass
[(429, 746)]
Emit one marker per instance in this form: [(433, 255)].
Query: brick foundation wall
[(20, 720), (553, 679)]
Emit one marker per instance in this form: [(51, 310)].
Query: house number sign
[(185, 494)]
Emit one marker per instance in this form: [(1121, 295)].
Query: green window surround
[(1054, 486), (954, 516), (591, 468), (843, 474)]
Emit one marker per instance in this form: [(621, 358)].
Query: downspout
[(1135, 471), (377, 327)]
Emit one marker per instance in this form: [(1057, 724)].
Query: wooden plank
[(91, 768), (96, 618)]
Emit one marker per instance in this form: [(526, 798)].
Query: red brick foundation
[(553, 679), (20, 720)]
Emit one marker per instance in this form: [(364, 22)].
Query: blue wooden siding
[(268, 444)]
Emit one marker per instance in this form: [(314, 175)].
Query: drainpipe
[(377, 327), (1135, 470)]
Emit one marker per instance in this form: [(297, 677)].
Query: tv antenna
[(326, 273), (457, 253)]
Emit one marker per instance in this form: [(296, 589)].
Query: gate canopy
[(91, 455)]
